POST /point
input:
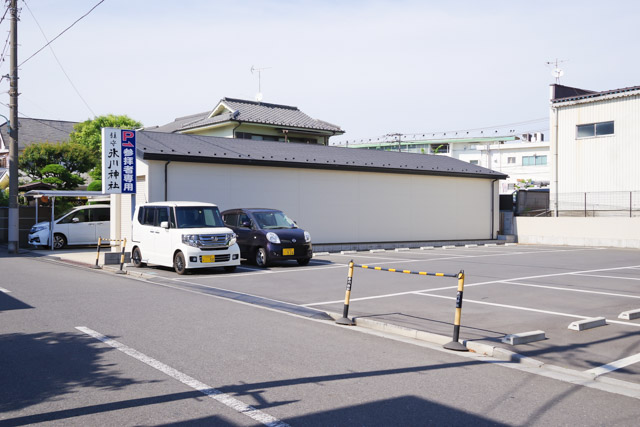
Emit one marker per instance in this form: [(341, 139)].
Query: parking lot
[(508, 290)]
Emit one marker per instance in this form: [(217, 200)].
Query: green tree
[(73, 157), (89, 134), (60, 177)]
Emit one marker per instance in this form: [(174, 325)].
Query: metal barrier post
[(455, 344), (121, 271), (98, 253), (345, 313)]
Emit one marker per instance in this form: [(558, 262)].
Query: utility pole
[(14, 213)]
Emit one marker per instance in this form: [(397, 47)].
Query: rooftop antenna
[(259, 70), (556, 72)]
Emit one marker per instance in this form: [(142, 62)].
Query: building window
[(534, 160), (473, 162), (439, 148), (511, 159), (594, 129)]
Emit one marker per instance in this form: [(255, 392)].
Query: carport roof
[(211, 149)]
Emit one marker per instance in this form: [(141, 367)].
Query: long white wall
[(592, 231), (341, 206)]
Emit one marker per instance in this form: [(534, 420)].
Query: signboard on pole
[(118, 161)]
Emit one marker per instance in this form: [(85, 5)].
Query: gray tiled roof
[(211, 149), (251, 112), (32, 131)]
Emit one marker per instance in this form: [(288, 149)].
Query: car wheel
[(261, 258), (136, 258), (230, 268), (303, 261), (179, 264), (59, 241)]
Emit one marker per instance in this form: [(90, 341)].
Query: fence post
[(121, 271), (344, 320), (98, 253), (455, 344)]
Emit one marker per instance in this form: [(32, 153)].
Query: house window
[(594, 129), (511, 159), (473, 162), (534, 160)]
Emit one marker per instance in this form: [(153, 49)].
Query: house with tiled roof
[(242, 119), (33, 131)]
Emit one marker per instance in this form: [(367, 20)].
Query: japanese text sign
[(118, 161)]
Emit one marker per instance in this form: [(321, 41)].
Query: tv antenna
[(556, 72), (259, 70)]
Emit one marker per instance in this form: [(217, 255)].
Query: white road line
[(6, 291), (468, 285), (573, 290), (379, 296), (618, 364), (516, 307), (607, 277), (185, 379)]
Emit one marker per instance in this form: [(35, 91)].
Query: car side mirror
[(75, 220), (164, 224), (246, 224)]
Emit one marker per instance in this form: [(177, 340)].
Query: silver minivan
[(182, 235)]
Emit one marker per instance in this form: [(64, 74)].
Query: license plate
[(287, 251), (208, 258)]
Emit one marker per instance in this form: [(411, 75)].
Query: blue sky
[(372, 67)]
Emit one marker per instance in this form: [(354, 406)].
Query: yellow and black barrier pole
[(124, 244), (344, 320), (455, 344), (98, 253)]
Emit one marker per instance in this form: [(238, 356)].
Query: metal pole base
[(455, 345), (96, 267), (121, 272), (345, 321)]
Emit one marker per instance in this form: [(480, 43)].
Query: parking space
[(508, 290)]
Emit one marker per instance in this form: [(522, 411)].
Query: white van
[(83, 225), (182, 235)]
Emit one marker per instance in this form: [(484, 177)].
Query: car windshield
[(273, 220), (198, 217)]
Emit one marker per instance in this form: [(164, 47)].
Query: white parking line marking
[(6, 291), (573, 290), (185, 379), (607, 277), (516, 307), (468, 285), (618, 364)]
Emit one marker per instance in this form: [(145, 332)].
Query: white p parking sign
[(118, 161)]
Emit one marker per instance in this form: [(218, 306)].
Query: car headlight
[(273, 238), (191, 240), (307, 237), (232, 238), (35, 229)]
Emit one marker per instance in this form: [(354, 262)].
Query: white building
[(525, 158), (341, 196), (595, 141)]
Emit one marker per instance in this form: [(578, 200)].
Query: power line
[(37, 120), (58, 61), (64, 31), (400, 136)]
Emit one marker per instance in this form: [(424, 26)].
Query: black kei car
[(267, 235)]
